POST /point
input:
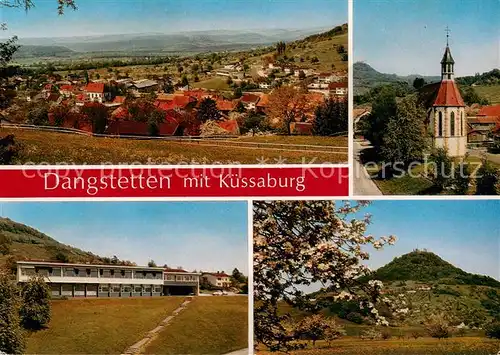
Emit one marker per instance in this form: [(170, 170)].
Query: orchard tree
[(488, 179), (418, 83), (97, 113), (437, 326), (461, 179), (11, 335), (35, 309), (286, 104), (404, 138), (208, 111), (331, 117), (442, 174), (300, 243)]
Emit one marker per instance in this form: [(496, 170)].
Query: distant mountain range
[(366, 78), (157, 43)]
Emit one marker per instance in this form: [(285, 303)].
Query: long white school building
[(83, 280)]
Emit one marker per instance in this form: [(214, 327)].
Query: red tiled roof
[(53, 97), (119, 100), (178, 101), (448, 95), (492, 110), (198, 93), (484, 119), (127, 128), (66, 88), (264, 101), (172, 116), (225, 105), (95, 87), (168, 128), (250, 98), (302, 128), (121, 113), (230, 126), (342, 84), (218, 274)]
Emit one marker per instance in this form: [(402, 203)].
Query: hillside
[(429, 285), (425, 266), (160, 43), (34, 51), (365, 78), (21, 242), (323, 46)]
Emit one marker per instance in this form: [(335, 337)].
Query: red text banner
[(177, 182)]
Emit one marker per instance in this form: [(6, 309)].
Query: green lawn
[(420, 346), (56, 148), (419, 185), (100, 326), (209, 325), (490, 92), (215, 83)]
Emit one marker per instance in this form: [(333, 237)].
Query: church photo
[(426, 110)]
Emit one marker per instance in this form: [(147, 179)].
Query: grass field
[(100, 326), (209, 325), (325, 141), (420, 346), (490, 92), (59, 148), (216, 83), (420, 185)]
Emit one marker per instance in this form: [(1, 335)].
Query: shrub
[(371, 334), (318, 327), (416, 335), (354, 317), (493, 330), (438, 327), (11, 336), (35, 308), (386, 334), (9, 149)]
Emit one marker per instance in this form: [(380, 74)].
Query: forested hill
[(424, 266), (21, 242)]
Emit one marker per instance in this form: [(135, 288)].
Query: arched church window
[(440, 125), (452, 124)]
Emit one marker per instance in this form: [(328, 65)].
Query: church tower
[(448, 123)]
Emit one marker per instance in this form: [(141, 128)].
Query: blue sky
[(408, 36), (465, 233), (95, 17), (195, 235)]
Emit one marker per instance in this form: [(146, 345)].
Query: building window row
[(83, 272)]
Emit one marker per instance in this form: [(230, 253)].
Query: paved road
[(363, 185)]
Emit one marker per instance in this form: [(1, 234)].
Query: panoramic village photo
[(426, 97), (153, 281), (169, 82), (400, 277)]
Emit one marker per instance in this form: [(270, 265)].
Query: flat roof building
[(86, 280)]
